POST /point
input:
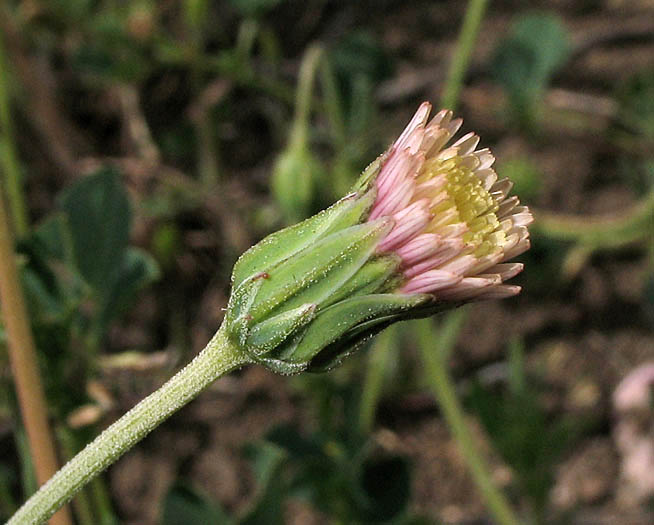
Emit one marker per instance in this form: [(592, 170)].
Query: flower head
[(426, 227), (454, 224)]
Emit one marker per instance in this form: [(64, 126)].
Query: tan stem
[(22, 356)]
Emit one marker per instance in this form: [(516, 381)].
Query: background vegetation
[(144, 145)]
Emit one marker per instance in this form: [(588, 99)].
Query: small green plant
[(335, 469), (525, 435)]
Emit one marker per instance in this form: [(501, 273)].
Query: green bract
[(308, 295)]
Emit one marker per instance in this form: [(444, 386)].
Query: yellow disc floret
[(467, 201)]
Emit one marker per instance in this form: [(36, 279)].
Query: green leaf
[(138, 269), (44, 302), (299, 447), (361, 53), (267, 506), (648, 299), (53, 286), (268, 334), (335, 321), (313, 274), (254, 7), (283, 244), (528, 439), (525, 174), (525, 60), (372, 277), (52, 240), (196, 13), (636, 103), (98, 215), (386, 485), (359, 62), (240, 303), (183, 505)]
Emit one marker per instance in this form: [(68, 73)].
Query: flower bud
[(425, 229), (296, 175)]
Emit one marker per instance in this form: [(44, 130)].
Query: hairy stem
[(219, 357)]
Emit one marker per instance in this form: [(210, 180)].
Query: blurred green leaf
[(51, 240), (386, 483), (183, 505), (528, 439), (196, 12), (7, 503), (70, 11), (108, 51), (360, 53), (53, 286), (525, 60), (99, 216), (44, 302), (290, 440), (359, 62), (636, 103), (166, 243), (648, 299), (526, 176), (138, 269), (93, 58), (267, 461), (336, 470), (254, 7)]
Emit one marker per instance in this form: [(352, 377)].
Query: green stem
[(28, 477), (102, 502), (601, 231), (7, 504), (465, 44), (219, 357), (333, 105), (81, 504), (434, 351), (10, 163), (380, 355), (92, 506), (24, 364), (304, 96)]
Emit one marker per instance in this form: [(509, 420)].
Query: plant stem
[(8, 151), (219, 357), (22, 356), (81, 504), (379, 356), (304, 96), (333, 105), (7, 504), (464, 46), (101, 502), (434, 351), (604, 231)]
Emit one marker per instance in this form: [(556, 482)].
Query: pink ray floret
[(454, 223)]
